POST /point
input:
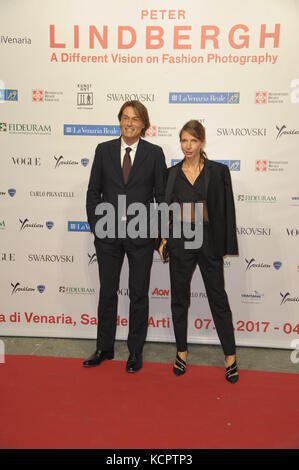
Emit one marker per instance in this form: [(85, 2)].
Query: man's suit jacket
[(220, 205), (146, 181)]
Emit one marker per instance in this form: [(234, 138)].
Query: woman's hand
[(162, 244)]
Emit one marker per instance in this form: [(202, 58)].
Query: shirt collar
[(133, 147)]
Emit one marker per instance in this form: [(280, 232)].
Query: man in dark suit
[(130, 167)]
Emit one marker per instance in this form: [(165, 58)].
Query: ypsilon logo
[(283, 131), (12, 192), (251, 264), (277, 265), (50, 224), (85, 161), (41, 288), (287, 298), (92, 258), (25, 224), (17, 288), (60, 161)]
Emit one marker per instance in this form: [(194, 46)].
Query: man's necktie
[(127, 165)]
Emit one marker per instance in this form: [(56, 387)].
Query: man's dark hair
[(140, 110)]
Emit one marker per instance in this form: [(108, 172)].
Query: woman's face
[(190, 145)]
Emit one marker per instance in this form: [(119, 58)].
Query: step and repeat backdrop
[(66, 69)]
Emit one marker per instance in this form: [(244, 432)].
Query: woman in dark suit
[(198, 179)]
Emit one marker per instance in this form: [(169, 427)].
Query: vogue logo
[(292, 232)]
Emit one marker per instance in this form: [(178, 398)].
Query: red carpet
[(49, 402)]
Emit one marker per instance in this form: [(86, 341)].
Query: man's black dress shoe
[(134, 363), (97, 357)]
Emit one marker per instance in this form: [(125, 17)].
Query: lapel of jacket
[(140, 155), (208, 166), (115, 157)]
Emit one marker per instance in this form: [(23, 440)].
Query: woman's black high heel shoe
[(231, 374), (181, 366)]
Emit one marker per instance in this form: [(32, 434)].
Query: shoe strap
[(180, 366), (178, 358)]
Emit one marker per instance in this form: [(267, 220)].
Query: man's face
[(130, 125)]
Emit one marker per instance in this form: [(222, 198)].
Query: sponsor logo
[(123, 97), (252, 264), (41, 288), (91, 130), (56, 194), (78, 226), (8, 257), (76, 290), (26, 161), (8, 95), (161, 131), (283, 131), (12, 192), (277, 265), (204, 98), (174, 161), (2, 224), (286, 298), (264, 97), (84, 96), (45, 96), (292, 232), (25, 224), (255, 198), (254, 231), (26, 41), (61, 162), (252, 298), (124, 292), (260, 97), (270, 165), (84, 161), (42, 258), (17, 288), (92, 258), (160, 293), (26, 129), (198, 295), (241, 132), (295, 200), (233, 165)]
